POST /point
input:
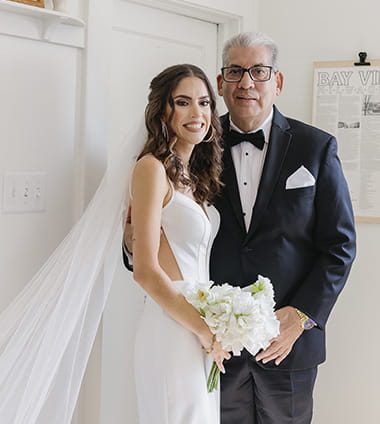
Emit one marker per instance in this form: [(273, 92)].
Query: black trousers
[(251, 394)]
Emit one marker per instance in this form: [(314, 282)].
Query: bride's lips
[(194, 126)]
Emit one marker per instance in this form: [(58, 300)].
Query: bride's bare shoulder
[(150, 168), (149, 160), (149, 163)]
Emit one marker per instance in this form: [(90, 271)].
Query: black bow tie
[(257, 138)]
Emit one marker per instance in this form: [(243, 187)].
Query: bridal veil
[(47, 332)]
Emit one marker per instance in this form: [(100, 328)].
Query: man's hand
[(128, 232), (281, 346)]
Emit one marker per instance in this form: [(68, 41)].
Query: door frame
[(228, 23)]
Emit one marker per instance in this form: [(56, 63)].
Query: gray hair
[(251, 39)]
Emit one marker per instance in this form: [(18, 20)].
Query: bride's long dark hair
[(205, 163)]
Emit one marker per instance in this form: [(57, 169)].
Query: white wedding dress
[(171, 368)]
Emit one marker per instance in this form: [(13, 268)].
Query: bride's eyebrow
[(183, 96)]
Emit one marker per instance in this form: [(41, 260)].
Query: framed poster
[(346, 103), (38, 3)]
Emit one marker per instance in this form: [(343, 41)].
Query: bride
[(47, 333), (174, 180)]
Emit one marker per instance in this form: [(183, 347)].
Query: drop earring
[(164, 131)]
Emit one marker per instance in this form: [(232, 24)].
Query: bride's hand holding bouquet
[(237, 317), (211, 346)]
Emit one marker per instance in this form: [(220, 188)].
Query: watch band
[(306, 322)]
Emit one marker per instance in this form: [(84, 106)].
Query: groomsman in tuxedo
[(285, 214)]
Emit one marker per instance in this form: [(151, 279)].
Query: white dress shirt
[(249, 162)]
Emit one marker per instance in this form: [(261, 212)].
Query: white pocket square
[(301, 178)]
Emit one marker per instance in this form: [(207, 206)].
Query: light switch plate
[(24, 192)]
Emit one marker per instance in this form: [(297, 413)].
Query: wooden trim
[(368, 219), (38, 3)]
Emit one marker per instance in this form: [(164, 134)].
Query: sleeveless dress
[(171, 368)]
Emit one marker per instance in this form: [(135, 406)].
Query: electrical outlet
[(24, 192)]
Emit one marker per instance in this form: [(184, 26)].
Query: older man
[(286, 214)]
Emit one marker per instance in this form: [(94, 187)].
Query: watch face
[(309, 323)]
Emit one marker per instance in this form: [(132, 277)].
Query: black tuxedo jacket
[(303, 239)]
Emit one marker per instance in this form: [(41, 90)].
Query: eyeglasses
[(258, 73)]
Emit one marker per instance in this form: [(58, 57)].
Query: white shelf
[(21, 20)]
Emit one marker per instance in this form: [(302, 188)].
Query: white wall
[(347, 386), (37, 115), (39, 122)]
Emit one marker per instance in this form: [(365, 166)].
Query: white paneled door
[(144, 41)]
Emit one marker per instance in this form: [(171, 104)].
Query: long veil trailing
[(47, 333)]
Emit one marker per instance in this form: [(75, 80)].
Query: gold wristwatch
[(306, 322)]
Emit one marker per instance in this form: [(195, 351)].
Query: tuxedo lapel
[(229, 175), (278, 146)]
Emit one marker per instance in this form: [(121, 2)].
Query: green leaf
[(257, 287)]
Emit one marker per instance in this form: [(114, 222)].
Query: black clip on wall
[(362, 58)]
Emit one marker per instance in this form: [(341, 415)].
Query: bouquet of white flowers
[(238, 317)]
